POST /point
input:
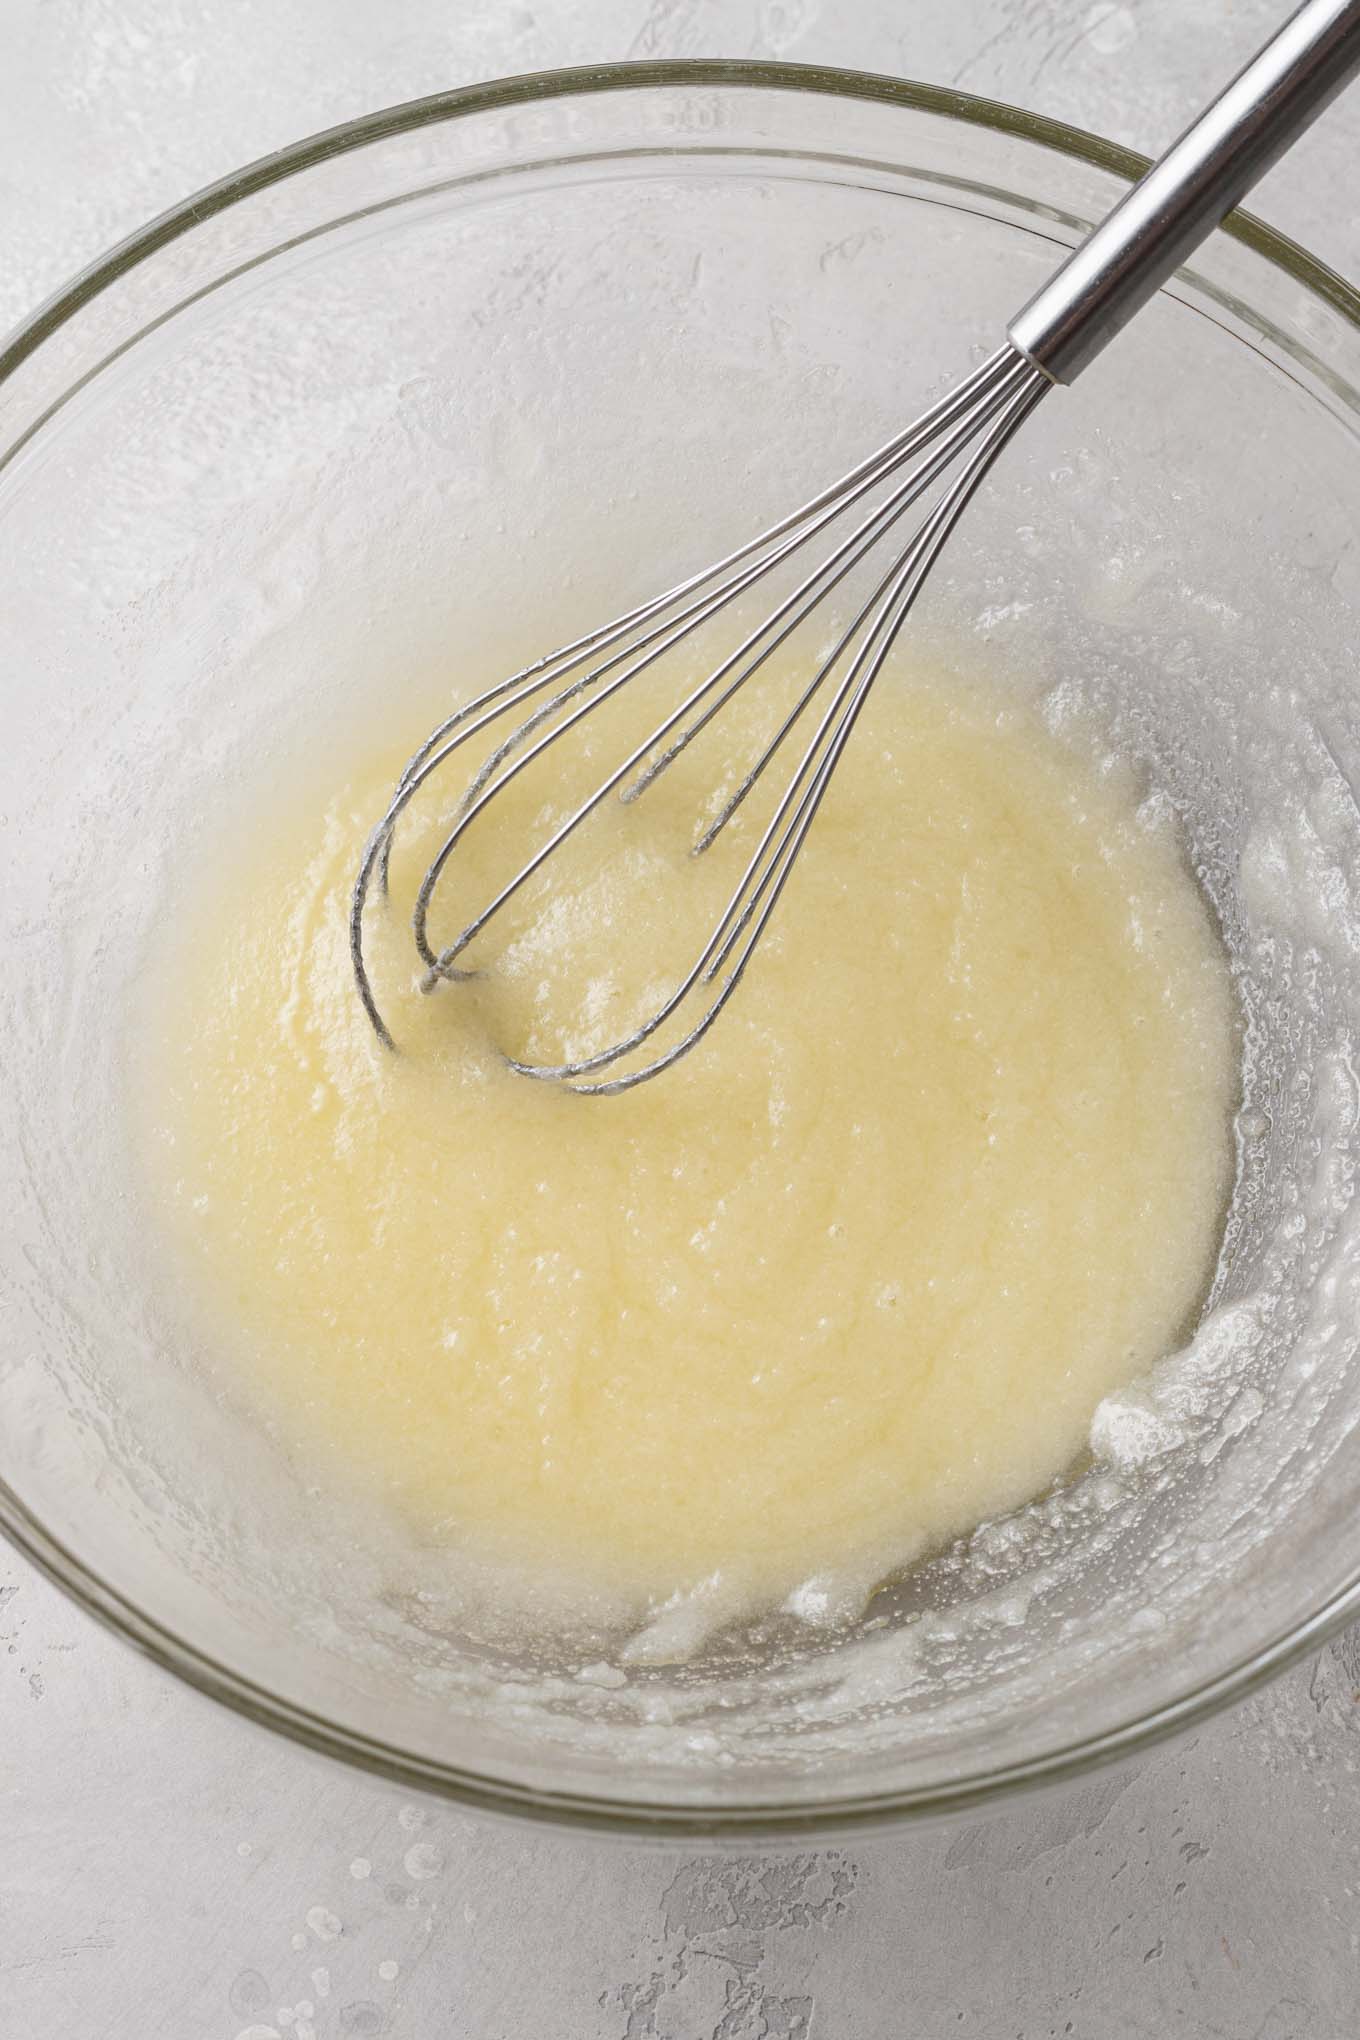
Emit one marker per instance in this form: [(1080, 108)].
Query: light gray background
[(167, 1873)]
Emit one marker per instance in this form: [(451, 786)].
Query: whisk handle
[(1190, 189)]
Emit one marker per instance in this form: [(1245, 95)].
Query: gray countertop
[(167, 1871)]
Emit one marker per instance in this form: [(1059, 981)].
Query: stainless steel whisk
[(948, 450)]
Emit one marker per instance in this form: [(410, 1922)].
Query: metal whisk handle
[(1194, 185)]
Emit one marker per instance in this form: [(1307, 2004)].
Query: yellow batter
[(850, 1278)]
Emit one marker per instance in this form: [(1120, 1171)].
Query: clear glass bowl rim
[(219, 1681)]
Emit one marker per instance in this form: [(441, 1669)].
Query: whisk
[(939, 461)]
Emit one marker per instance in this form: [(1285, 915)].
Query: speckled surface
[(168, 1872)]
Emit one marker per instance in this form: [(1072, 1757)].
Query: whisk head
[(945, 455)]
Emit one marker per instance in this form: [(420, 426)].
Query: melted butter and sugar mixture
[(849, 1278)]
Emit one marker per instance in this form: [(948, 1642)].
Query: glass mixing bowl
[(504, 359)]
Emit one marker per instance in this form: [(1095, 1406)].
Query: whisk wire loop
[(557, 693)]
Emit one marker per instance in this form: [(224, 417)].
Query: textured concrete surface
[(167, 1873)]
